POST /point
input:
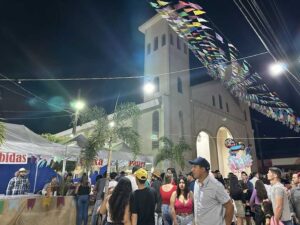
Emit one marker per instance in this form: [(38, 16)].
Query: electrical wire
[(268, 30), (37, 97), (33, 118), (125, 77)]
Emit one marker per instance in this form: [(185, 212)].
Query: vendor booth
[(24, 148)]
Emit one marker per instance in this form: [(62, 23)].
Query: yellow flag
[(46, 201), (198, 12), (162, 3), (197, 24)]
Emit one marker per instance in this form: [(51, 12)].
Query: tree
[(110, 130), (172, 152), (2, 133)]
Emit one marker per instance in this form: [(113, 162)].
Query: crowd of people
[(201, 197)]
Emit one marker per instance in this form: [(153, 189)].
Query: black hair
[(84, 181), (261, 190), (113, 175), (135, 168), (243, 172), (276, 170), (185, 190), (141, 181), (119, 200), (235, 189)]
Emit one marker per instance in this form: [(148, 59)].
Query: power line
[(124, 77), (33, 118), (28, 111), (37, 97)]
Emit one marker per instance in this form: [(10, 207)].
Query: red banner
[(137, 163), (13, 158)]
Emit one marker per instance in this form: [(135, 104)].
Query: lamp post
[(78, 106)]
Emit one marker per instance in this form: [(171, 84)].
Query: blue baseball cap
[(202, 162)]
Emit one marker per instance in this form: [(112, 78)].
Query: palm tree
[(108, 131), (2, 133), (172, 152)]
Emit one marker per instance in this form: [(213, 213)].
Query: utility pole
[(259, 143), (76, 114)]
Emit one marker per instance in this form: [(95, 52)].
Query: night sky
[(90, 38)]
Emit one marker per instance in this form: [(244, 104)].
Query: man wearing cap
[(212, 204), (279, 197), (18, 185), (142, 201), (131, 177)]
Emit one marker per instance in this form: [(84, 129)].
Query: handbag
[(273, 221)]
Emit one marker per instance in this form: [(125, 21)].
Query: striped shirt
[(209, 198), (18, 186)]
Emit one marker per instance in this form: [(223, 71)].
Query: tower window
[(155, 130), (185, 48), (156, 84), (163, 40), (171, 39), (213, 100), (179, 85), (148, 49), (220, 102), (178, 43), (227, 107), (155, 43)]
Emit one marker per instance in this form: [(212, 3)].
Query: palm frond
[(130, 137), (2, 133), (161, 156)]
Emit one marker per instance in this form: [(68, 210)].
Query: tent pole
[(35, 178), (64, 166), (64, 162)]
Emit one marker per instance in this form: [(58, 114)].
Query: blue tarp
[(8, 171)]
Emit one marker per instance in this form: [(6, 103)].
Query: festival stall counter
[(29, 210)]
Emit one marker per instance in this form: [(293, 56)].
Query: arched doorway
[(206, 148), (223, 153)]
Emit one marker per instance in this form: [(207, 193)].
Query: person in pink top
[(181, 204), (166, 191)]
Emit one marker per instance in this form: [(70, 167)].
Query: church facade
[(204, 115)]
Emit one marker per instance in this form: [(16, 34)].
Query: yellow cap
[(141, 174)]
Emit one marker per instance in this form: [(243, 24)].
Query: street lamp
[(277, 68), (149, 88), (78, 106)]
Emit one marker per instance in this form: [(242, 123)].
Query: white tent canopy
[(20, 139), (120, 151)]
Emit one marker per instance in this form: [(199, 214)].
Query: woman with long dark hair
[(259, 195), (181, 204), (82, 192), (116, 205), (166, 191), (236, 193)]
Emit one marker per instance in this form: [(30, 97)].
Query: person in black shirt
[(82, 192), (142, 201)]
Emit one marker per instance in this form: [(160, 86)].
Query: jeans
[(82, 209), (166, 216), (95, 214), (289, 222), (185, 220)]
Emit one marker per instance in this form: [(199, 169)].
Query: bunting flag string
[(220, 56), (30, 203)]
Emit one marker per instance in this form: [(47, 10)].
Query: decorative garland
[(219, 56)]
